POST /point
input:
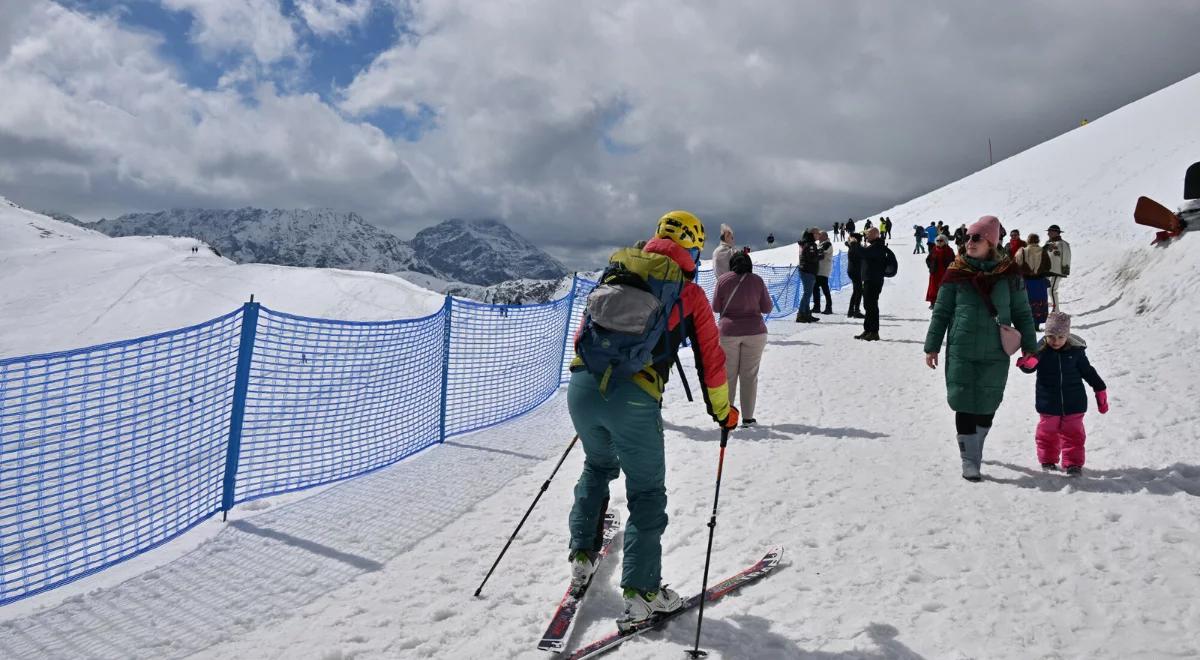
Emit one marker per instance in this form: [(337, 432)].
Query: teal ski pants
[(621, 431)]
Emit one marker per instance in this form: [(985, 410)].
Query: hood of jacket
[(670, 248)]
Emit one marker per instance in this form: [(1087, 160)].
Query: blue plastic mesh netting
[(329, 400), (579, 290), (109, 451), (504, 360)]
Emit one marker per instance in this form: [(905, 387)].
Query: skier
[(939, 259), (980, 290), (619, 422), (722, 252), (1061, 365), (1059, 252)]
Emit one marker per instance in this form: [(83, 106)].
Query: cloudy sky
[(578, 123)]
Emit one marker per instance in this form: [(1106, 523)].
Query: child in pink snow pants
[(1062, 367)]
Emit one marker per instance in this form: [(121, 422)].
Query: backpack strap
[(731, 294)]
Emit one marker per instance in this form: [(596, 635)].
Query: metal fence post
[(237, 414), (447, 310)]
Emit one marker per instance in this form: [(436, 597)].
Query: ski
[(715, 592), (564, 617)]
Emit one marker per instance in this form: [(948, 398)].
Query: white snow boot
[(643, 608)]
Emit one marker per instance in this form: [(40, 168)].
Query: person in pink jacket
[(741, 299)]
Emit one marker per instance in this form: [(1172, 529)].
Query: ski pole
[(712, 528), (526, 517)]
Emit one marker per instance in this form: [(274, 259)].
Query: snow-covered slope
[(889, 553), (63, 286)]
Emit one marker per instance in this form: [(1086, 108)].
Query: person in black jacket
[(874, 263), (854, 270), (810, 265), (1062, 366)]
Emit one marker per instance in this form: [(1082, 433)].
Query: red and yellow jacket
[(701, 333)]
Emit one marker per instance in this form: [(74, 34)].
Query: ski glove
[(1102, 401), (731, 420)]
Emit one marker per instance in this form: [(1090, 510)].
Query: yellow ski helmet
[(683, 228)]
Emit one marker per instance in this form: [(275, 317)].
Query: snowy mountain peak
[(483, 251)]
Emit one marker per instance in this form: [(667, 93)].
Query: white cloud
[(255, 26), (93, 112), (325, 17), (577, 122)]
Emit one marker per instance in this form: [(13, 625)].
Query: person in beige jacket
[(722, 252), (1059, 253)]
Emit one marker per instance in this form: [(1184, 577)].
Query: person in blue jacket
[(931, 234)]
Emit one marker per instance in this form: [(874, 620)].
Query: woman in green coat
[(981, 289)]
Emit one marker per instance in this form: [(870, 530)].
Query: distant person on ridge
[(770, 240), (919, 235), (619, 418), (848, 227), (981, 290), (723, 251), (1059, 252), (741, 298)]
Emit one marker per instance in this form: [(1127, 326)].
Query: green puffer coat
[(976, 364)]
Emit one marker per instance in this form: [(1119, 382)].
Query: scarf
[(981, 275)]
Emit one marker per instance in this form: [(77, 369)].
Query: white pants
[(742, 357), (1054, 280)]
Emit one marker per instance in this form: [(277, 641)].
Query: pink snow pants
[(1061, 435)]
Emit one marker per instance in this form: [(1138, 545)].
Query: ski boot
[(643, 608), (583, 566)]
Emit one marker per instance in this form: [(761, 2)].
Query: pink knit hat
[(988, 227), (1058, 323)]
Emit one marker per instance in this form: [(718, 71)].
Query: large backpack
[(890, 267), (627, 313)]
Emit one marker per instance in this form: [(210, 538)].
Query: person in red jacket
[(1014, 243), (939, 259), (620, 426)]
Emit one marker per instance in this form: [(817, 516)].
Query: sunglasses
[(975, 238)]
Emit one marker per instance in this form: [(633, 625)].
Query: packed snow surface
[(890, 554)]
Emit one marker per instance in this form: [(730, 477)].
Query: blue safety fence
[(327, 400), (107, 452), (503, 361)]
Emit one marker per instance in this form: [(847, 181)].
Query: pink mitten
[(1102, 401), (1028, 362)]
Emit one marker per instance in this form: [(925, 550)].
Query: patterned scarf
[(981, 275)]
